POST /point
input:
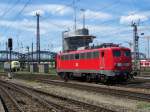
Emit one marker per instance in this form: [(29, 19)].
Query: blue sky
[(109, 20)]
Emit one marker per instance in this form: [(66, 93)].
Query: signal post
[(10, 49)]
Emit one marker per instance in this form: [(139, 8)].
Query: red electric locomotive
[(101, 64)]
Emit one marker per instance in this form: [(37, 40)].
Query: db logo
[(77, 64)]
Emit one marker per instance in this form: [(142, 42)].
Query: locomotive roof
[(95, 49)]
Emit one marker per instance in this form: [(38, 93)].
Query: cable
[(71, 5), (9, 9), (26, 4), (58, 25), (109, 6)]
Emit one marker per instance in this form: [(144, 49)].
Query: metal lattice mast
[(135, 46), (38, 38), (135, 41)]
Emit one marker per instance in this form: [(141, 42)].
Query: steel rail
[(70, 100), (9, 95), (45, 102), (106, 90)]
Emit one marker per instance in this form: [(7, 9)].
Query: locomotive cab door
[(102, 60)]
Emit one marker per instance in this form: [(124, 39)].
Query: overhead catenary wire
[(71, 5), (57, 11), (10, 9), (63, 26), (19, 13)]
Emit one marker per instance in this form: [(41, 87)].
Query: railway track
[(140, 83), (101, 89), (9, 103), (54, 102), (24, 100)]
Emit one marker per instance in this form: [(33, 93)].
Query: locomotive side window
[(62, 57), (116, 53), (89, 55), (127, 53), (96, 54), (76, 56), (66, 57)]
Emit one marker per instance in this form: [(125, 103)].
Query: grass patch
[(33, 76), (52, 71), (143, 106)]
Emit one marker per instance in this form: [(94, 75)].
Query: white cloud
[(128, 19), (103, 33), (30, 25), (97, 15), (33, 13), (30, 10), (55, 9)]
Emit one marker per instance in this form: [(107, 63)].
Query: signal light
[(10, 43)]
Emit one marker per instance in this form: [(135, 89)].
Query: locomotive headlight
[(122, 64), (119, 64)]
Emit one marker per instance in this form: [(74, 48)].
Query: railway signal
[(10, 44), (10, 47), (135, 47)]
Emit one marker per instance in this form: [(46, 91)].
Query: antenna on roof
[(83, 11), (75, 18)]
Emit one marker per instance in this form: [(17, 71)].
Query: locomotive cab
[(122, 62)]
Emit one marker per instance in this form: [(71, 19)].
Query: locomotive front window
[(82, 56), (76, 56), (117, 53), (127, 53), (71, 56)]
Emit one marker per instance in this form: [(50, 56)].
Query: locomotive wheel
[(71, 76), (88, 78), (61, 75), (105, 79), (66, 77), (97, 79)]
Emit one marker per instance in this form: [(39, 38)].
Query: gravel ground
[(108, 101), (1, 107)]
